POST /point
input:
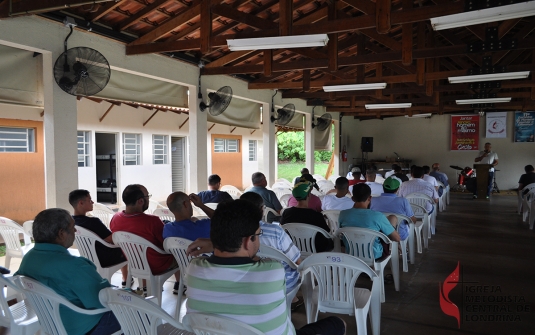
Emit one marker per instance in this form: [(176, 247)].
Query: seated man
[(439, 176), (357, 176), (527, 178), (418, 185), (214, 194), (391, 172), (430, 179), (314, 202), (150, 227), (338, 201), (302, 214), (398, 172), (82, 203), (274, 236), (376, 188), (185, 226), (303, 172), (361, 217), (389, 202), (235, 284), (270, 199), (74, 278)]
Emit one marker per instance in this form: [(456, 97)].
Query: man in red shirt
[(150, 227)]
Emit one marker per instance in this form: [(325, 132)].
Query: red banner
[(464, 132)]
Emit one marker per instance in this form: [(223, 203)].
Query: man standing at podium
[(487, 156)]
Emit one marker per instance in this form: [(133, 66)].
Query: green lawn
[(292, 170)]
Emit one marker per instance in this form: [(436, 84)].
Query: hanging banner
[(524, 126), (464, 132), (496, 125)]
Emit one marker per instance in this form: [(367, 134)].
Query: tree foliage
[(291, 147)]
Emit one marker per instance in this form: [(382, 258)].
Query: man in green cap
[(302, 214), (389, 202)]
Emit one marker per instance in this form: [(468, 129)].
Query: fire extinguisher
[(344, 154)]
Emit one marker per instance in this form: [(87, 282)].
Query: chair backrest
[(336, 274), (279, 191), (45, 302), (325, 186), (103, 212), (28, 227), (135, 249), (10, 231), (210, 324), (85, 242), (285, 181), (303, 236), (268, 210), (419, 212), (420, 199), (136, 315), (332, 219), (400, 218), (333, 178), (316, 192), (230, 188), (266, 251), (164, 214), (360, 242), (528, 188), (285, 199), (279, 184), (211, 205), (318, 177), (6, 315), (153, 204), (178, 247)]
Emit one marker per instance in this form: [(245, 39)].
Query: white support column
[(198, 144), (337, 148), (60, 134), (269, 145), (309, 143)]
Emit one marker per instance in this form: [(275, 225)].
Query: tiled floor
[(496, 252)]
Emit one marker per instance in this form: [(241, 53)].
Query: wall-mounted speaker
[(366, 145)]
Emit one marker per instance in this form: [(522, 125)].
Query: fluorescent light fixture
[(500, 13), (418, 115), (282, 42), (385, 106), (488, 77), (356, 87), (481, 101)]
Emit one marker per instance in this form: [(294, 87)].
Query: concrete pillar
[(198, 144), (309, 143), (60, 127), (269, 145), (337, 148)]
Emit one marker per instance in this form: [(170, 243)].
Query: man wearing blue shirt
[(214, 194), (389, 202), (361, 217), (270, 199), (185, 225), (74, 278)]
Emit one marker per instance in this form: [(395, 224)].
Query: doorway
[(106, 167), (227, 159), (178, 164)]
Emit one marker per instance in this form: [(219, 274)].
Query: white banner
[(496, 125)]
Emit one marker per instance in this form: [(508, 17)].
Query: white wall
[(427, 141)]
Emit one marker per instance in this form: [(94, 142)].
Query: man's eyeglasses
[(148, 196), (259, 234)]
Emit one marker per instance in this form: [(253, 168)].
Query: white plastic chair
[(268, 210), (316, 192), (85, 242), (284, 200), (318, 177), (284, 181), (46, 304), (403, 243), (279, 184), (28, 226), (10, 231), (153, 204), (332, 219), (139, 316), (325, 186), (211, 205), (528, 203), (103, 212), (422, 224), (303, 236), (360, 242), (421, 200), (20, 318), (523, 206), (333, 178), (234, 192), (279, 191), (266, 251), (329, 286), (135, 249), (164, 214), (210, 324), (178, 247)]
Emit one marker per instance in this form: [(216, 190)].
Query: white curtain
[(297, 122), (323, 139), (239, 113)]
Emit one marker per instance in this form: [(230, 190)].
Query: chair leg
[(418, 232), (360, 319), (7, 261), (179, 299), (404, 256)]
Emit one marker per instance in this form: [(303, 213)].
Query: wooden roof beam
[(383, 9), (242, 17), (105, 9), (135, 18), (206, 26)]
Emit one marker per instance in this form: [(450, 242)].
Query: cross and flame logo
[(447, 306)]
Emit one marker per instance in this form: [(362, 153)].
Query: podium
[(482, 179)]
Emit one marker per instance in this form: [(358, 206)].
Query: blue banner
[(524, 126)]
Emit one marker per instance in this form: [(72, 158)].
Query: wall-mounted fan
[(219, 101), (323, 122), (284, 115), (81, 71)]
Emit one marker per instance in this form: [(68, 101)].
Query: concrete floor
[(496, 253)]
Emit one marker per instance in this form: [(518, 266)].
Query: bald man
[(185, 225)]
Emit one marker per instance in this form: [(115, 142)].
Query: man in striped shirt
[(234, 283), (418, 185)]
